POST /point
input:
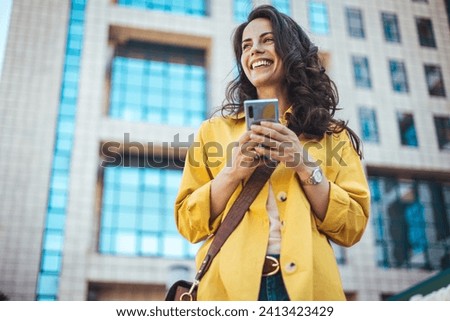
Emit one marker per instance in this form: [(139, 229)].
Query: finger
[(251, 161), (281, 154), (265, 131), (281, 146), (282, 129), (244, 138)]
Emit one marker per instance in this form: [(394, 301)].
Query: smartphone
[(260, 109)]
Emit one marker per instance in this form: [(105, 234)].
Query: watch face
[(317, 176)]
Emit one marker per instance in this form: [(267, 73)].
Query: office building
[(99, 100)]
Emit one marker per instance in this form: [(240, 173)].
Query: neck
[(280, 94)]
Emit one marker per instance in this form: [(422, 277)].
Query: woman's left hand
[(280, 143)]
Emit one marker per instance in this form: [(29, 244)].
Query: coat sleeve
[(192, 204), (349, 200)]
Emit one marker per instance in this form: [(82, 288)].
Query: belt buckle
[(275, 264)]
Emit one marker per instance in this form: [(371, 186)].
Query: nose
[(256, 48)]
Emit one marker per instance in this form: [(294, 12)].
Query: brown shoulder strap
[(237, 211)]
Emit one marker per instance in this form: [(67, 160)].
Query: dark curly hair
[(313, 94)]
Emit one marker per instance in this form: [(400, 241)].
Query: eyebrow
[(261, 35)]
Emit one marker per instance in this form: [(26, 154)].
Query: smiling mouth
[(261, 63)]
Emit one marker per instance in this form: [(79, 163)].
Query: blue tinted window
[(390, 27), (158, 90), (398, 76), (361, 72), (407, 129), (318, 17), (188, 7), (47, 285), (241, 9), (355, 24), (283, 6), (369, 127), (137, 213)]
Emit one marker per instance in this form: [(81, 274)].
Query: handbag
[(187, 291)]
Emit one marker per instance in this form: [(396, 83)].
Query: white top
[(274, 244)]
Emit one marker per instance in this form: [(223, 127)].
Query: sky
[(5, 10)]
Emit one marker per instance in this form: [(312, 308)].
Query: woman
[(317, 192)]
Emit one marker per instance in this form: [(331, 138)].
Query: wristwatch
[(315, 178)]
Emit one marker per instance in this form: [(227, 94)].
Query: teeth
[(261, 63)]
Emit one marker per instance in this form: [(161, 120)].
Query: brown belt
[(271, 266)]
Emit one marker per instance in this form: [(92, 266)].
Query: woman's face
[(259, 60)]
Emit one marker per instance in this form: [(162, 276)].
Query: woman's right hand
[(244, 159)]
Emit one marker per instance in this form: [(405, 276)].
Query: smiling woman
[(317, 192), (5, 12)]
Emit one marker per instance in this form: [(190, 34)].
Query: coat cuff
[(338, 203), (199, 208)]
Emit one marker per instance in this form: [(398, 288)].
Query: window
[(282, 6), (137, 208), (425, 32), (241, 9), (318, 17), (159, 84), (368, 123), (355, 25), (442, 125), (398, 76), (411, 220), (390, 26), (407, 128), (361, 72), (188, 7), (435, 81)]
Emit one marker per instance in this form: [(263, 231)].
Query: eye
[(268, 40), (245, 46)]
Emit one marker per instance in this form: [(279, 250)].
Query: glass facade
[(390, 27), (138, 213), (411, 220), (407, 129), (368, 123), (398, 76), (167, 86), (355, 25), (361, 72), (187, 7), (53, 235), (318, 17)]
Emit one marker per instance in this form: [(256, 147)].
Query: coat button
[(290, 267), (282, 196)]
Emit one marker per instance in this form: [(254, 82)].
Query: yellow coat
[(308, 264)]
